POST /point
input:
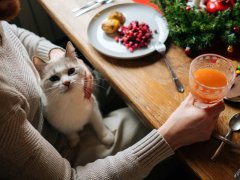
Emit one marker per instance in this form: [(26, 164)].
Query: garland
[(196, 29)]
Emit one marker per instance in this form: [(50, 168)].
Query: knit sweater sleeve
[(136, 162), (35, 45)]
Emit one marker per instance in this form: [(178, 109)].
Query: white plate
[(132, 11)]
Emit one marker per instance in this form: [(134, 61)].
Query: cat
[(67, 89)]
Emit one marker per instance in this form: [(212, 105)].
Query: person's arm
[(35, 45)]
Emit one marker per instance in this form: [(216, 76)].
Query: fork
[(90, 3), (161, 48), (90, 7)]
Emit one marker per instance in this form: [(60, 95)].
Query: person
[(30, 150)]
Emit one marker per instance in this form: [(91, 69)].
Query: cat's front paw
[(108, 138)]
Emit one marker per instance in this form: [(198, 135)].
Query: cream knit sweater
[(24, 152)]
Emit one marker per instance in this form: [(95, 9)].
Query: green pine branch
[(199, 29)]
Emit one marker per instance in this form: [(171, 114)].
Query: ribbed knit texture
[(24, 152), (151, 150), (136, 162)]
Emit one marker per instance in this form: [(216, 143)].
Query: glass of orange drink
[(210, 78)]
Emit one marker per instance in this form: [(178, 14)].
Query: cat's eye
[(54, 78), (71, 71)]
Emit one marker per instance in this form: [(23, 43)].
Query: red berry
[(187, 51), (127, 45), (188, 8), (116, 38), (130, 49), (135, 35), (236, 29), (135, 45)]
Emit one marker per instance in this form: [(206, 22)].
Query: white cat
[(67, 85)]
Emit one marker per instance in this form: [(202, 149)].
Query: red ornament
[(188, 8), (187, 51), (218, 5), (236, 29)]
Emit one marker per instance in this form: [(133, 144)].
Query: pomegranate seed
[(135, 35), (116, 38), (130, 49)]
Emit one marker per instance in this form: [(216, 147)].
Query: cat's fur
[(67, 86)]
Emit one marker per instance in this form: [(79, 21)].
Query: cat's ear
[(70, 51), (39, 63), (56, 53)]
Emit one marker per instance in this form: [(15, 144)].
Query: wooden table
[(146, 85)]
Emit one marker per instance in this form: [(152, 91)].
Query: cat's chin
[(72, 91)]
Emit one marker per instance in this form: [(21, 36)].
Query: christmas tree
[(196, 25)]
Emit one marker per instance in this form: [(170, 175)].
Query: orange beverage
[(212, 78)]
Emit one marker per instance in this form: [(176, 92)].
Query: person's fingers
[(189, 100), (216, 109)]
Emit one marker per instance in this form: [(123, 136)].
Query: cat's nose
[(66, 83)]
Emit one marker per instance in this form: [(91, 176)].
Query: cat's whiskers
[(83, 88), (95, 84), (75, 82), (78, 85), (96, 79), (50, 89), (52, 93), (54, 96)]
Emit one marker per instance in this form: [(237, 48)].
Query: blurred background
[(32, 17)]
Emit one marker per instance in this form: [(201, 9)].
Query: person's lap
[(127, 130)]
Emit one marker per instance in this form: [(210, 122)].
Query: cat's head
[(64, 74)]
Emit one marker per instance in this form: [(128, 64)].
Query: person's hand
[(189, 124)]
